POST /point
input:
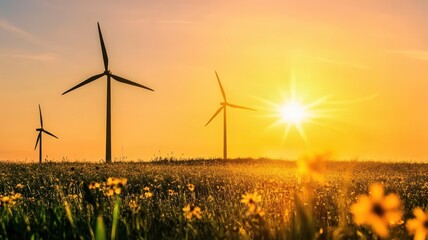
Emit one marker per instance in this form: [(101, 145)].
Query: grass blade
[(100, 232)]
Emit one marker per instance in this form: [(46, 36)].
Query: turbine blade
[(49, 133), (38, 140), (85, 82), (103, 48), (215, 114), (237, 106), (41, 118), (221, 87), (123, 80)]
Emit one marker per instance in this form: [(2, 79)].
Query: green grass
[(57, 203)]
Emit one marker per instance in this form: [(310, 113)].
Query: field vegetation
[(214, 199)]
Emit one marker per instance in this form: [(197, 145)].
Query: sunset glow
[(192, 119), (333, 54)]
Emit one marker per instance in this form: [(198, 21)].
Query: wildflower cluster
[(251, 200), (377, 210), (113, 186), (381, 212), (147, 194), (133, 205), (191, 211), (216, 200), (9, 200), (94, 185)]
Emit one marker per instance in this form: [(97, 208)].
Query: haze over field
[(362, 62)]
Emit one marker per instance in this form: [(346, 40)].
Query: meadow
[(205, 199)]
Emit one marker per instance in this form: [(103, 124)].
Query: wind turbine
[(109, 75), (39, 137), (223, 107)]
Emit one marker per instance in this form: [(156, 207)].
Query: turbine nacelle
[(225, 104), (39, 129)]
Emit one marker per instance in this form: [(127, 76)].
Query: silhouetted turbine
[(107, 73), (39, 137), (223, 107)]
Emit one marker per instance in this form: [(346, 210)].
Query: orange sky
[(347, 50)]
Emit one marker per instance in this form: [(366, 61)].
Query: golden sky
[(368, 58)]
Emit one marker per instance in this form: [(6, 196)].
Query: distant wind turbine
[(109, 75), (39, 137), (223, 107)]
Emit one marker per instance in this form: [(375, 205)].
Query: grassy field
[(203, 199)]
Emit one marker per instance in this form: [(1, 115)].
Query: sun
[(293, 112)]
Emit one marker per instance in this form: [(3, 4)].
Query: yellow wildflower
[(133, 204), (313, 166), (256, 211), (112, 181), (418, 226), (114, 190), (120, 182), (19, 185), (148, 194), (251, 198), (114, 186), (146, 189), (109, 193), (94, 185), (5, 199), (10, 200), (123, 181), (242, 231), (377, 210), (191, 187), (170, 192), (16, 196), (72, 196), (191, 210)]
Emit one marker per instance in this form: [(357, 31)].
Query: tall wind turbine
[(223, 107), (109, 75), (39, 137)]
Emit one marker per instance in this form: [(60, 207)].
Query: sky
[(362, 63)]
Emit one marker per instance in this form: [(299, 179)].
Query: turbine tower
[(109, 75), (223, 107), (39, 137)]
